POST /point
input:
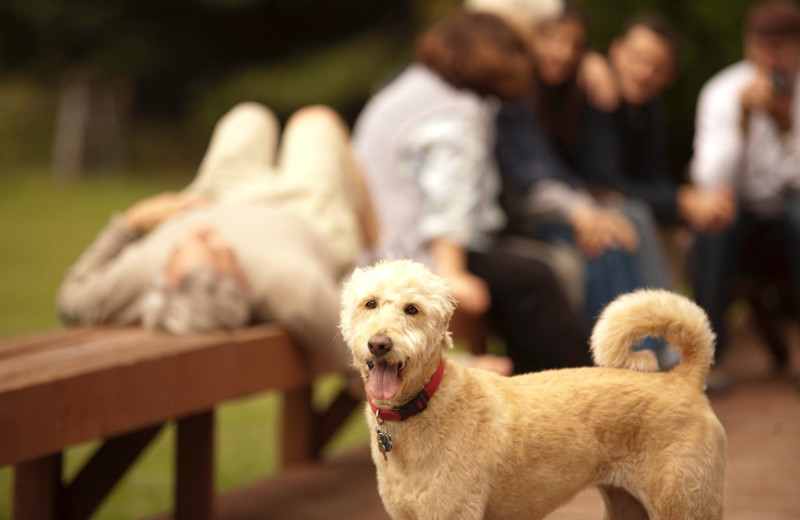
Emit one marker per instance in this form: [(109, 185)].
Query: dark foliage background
[(170, 68)]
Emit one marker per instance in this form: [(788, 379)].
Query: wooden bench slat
[(14, 345), (109, 386), (95, 350)]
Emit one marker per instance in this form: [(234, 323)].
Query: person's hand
[(150, 212), (757, 94), (224, 258), (204, 247), (590, 235), (598, 229), (760, 95), (622, 231), (707, 210), (471, 292), (598, 81)]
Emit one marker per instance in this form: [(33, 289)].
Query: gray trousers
[(650, 258)]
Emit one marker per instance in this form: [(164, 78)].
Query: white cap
[(525, 13)]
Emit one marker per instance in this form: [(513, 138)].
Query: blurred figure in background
[(522, 16), (426, 143), (541, 143), (594, 74), (253, 239), (747, 140), (628, 147)]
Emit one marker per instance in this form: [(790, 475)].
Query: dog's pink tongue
[(383, 381)]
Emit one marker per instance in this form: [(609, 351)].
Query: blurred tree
[(107, 57), (152, 57), (432, 11)]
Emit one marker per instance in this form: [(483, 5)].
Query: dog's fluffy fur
[(507, 448)]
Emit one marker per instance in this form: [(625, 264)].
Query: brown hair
[(774, 18), (476, 51), (660, 26), (572, 11), (559, 107)]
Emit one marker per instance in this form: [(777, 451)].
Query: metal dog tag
[(383, 438), (384, 442)]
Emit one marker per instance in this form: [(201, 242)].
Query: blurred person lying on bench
[(253, 239)]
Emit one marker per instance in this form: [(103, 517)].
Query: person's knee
[(319, 116), (641, 214), (569, 268), (249, 114)]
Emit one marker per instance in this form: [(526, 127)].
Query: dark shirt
[(544, 136), (626, 151), (561, 137), (525, 153)]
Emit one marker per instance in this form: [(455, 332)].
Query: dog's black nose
[(379, 344)]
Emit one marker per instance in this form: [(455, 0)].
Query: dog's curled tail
[(635, 316)]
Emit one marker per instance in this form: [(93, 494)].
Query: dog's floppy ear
[(448, 340), (348, 302), (448, 337), (449, 303), (446, 304)]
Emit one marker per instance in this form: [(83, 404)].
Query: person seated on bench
[(425, 142), (540, 145), (627, 149), (252, 239), (746, 140)]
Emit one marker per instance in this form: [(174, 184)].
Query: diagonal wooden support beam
[(331, 420), (106, 467)]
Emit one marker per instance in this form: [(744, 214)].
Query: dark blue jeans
[(613, 273), (716, 260)]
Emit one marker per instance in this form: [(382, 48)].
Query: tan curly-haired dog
[(476, 445)]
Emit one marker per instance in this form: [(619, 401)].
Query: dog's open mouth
[(383, 379)]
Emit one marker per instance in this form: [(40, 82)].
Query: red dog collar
[(414, 406)]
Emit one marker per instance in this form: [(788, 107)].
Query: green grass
[(44, 229)]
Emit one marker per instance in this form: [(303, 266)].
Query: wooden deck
[(761, 416)]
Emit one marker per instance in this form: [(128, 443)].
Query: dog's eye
[(411, 309), (371, 304)]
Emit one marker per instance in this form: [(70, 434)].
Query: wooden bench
[(66, 387)]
